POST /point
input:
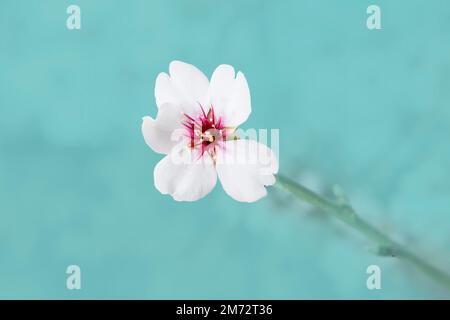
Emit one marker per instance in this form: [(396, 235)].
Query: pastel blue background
[(368, 110)]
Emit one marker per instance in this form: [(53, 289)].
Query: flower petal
[(165, 91), (190, 82), (186, 84), (164, 132), (184, 175), (230, 95), (244, 168)]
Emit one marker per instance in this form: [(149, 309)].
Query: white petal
[(164, 132), (165, 91), (230, 95), (186, 85), (244, 168), (190, 82), (184, 175)]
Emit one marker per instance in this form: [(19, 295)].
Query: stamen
[(200, 130)]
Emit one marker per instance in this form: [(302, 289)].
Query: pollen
[(204, 130)]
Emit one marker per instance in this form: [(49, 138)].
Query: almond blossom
[(196, 128)]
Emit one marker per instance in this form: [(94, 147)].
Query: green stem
[(346, 214)]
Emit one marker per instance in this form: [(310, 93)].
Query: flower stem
[(346, 214)]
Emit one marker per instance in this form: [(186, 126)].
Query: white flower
[(195, 128)]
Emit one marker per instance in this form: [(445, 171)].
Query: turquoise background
[(368, 110)]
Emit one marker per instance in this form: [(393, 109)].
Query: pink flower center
[(205, 131)]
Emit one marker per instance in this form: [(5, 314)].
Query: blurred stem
[(346, 214)]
